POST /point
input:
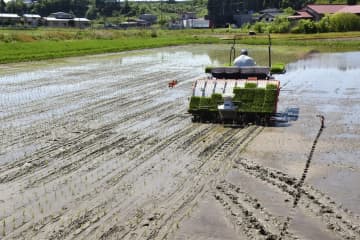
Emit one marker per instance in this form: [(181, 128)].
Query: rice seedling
[(14, 223), (23, 217), (4, 228)]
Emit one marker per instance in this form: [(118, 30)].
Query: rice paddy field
[(99, 147)]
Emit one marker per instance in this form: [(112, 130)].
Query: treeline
[(221, 12), (45, 7), (95, 9), (339, 22)]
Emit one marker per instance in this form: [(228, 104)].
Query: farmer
[(244, 60)]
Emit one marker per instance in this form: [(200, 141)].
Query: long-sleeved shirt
[(244, 61)]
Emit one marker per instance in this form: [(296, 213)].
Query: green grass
[(39, 50)]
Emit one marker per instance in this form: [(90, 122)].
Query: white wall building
[(9, 19), (31, 19), (61, 19), (196, 23)]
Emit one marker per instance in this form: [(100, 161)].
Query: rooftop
[(9, 15), (300, 14), (32, 15), (351, 9), (334, 8)]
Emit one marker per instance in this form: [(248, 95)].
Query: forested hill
[(221, 12), (165, 9), (256, 5)]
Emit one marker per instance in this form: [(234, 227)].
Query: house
[(317, 11), (31, 19), (268, 17), (134, 23), (196, 23), (188, 15), (61, 19), (300, 15), (149, 18), (271, 10), (9, 19), (61, 15)]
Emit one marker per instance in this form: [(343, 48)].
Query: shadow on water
[(280, 119), (284, 119)]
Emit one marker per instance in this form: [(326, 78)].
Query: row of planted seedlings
[(250, 98), (42, 201), (253, 99)]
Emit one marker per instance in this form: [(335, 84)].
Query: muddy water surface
[(99, 147), (329, 84)]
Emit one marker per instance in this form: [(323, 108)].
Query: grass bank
[(43, 48), (40, 44)]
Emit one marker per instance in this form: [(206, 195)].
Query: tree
[(46, 7), (79, 7), (295, 4), (342, 22), (253, 5), (2, 6), (91, 13), (126, 9), (221, 12), (306, 26), (351, 2), (324, 24), (17, 6)]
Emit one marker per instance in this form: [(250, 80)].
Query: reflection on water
[(329, 84), (338, 61), (332, 75)]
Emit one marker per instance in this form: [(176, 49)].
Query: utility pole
[(161, 13), (269, 37)]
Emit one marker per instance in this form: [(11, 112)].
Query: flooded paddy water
[(99, 147)]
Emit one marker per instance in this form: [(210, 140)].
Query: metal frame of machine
[(235, 95)]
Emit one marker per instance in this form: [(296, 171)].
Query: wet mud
[(100, 148)]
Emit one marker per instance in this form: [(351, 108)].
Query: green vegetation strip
[(40, 50)]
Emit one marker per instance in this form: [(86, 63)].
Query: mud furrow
[(247, 213), (336, 219)]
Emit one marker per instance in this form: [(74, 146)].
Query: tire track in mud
[(315, 203), (300, 184), (246, 212), (163, 145)]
